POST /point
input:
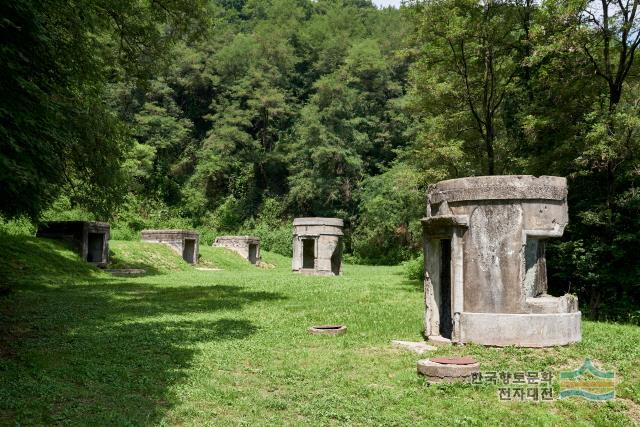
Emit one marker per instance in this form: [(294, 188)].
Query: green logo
[(588, 382)]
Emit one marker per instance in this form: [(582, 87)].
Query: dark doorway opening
[(253, 253), (95, 245), (189, 251), (446, 323), (336, 259), (308, 253)]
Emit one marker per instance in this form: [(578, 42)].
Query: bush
[(18, 226), (414, 269), (388, 230)]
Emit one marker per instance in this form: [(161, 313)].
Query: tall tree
[(467, 66), (56, 131)]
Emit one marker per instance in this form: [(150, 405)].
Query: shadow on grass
[(108, 353)]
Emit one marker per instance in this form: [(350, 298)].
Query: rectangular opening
[(336, 258), (446, 322), (535, 268), (95, 245), (308, 253), (253, 253), (189, 251)]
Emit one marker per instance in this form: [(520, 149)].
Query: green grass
[(187, 347)]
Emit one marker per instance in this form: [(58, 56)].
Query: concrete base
[(312, 272), (520, 330), (438, 340), (417, 347), (439, 372)]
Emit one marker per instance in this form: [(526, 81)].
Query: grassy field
[(181, 346)]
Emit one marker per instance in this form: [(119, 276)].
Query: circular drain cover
[(328, 329), (466, 360)]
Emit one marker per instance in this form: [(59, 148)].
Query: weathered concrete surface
[(90, 239), (415, 346), (440, 372), (317, 246), (248, 247), (184, 242), (484, 245), (522, 330)]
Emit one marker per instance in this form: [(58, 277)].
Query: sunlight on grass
[(184, 346)]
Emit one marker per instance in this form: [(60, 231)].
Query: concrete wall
[(241, 245), (176, 240), (81, 235)]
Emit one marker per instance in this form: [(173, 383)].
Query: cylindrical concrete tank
[(317, 246), (485, 280)]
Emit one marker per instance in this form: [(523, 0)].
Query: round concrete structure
[(317, 246), (328, 330), (484, 244), (436, 371)]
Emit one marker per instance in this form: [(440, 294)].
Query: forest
[(235, 116)]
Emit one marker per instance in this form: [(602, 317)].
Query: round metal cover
[(466, 360)]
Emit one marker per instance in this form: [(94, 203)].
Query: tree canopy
[(237, 115)]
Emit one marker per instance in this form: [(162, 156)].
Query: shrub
[(414, 269)]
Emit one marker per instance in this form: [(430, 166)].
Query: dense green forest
[(234, 116)]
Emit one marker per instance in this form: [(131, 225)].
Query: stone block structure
[(248, 247), (317, 246), (90, 239), (485, 270), (184, 242)]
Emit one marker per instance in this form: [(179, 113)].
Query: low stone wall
[(183, 242), (248, 247), (90, 239)]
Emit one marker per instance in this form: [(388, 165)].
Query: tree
[(467, 67), (55, 128)]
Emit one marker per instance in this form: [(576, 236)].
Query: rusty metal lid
[(466, 360)]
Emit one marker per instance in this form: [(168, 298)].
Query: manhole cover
[(466, 360), (328, 329)]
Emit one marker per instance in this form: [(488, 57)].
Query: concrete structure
[(317, 246), (184, 242), (447, 369), (90, 239), (415, 346), (248, 247), (327, 330), (485, 269)]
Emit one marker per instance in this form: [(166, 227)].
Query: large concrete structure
[(317, 246), (248, 247), (184, 242), (485, 270), (89, 238)]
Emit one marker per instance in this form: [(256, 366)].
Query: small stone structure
[(415, 346), (184, 242), (485, 271), (248, 247), (90, 239), (317, 246), (327, 330)]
